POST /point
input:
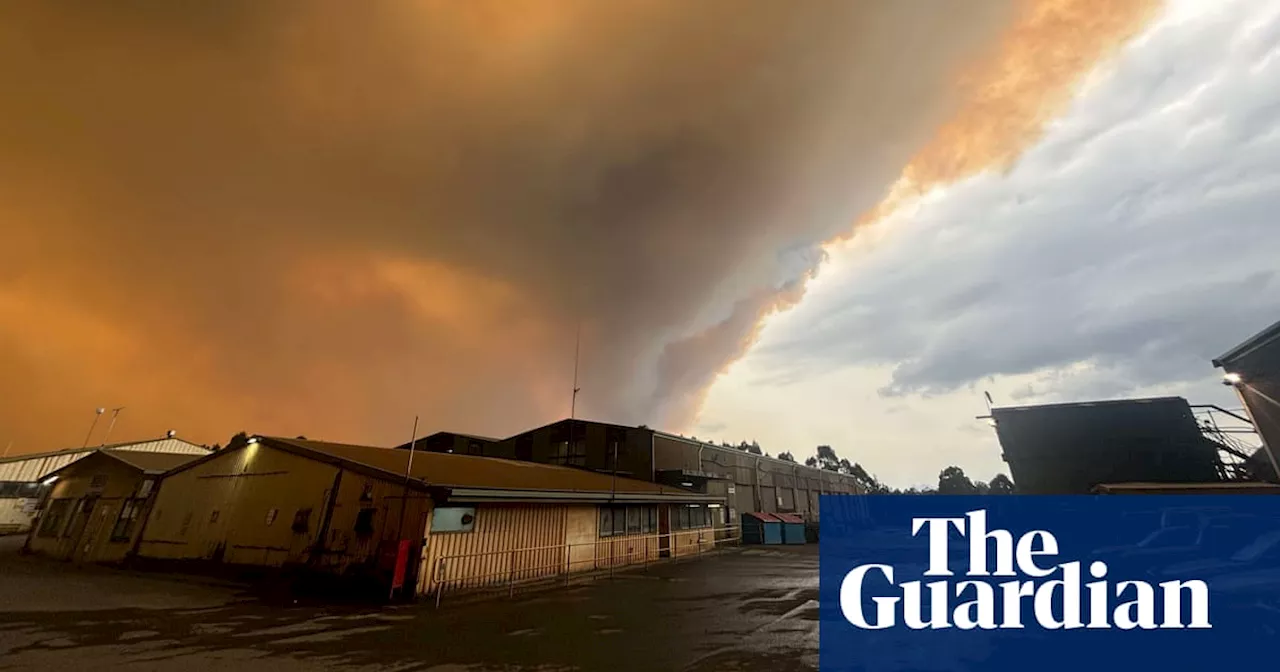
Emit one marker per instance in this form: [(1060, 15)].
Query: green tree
[(786, 457), (1001, 485), (952, 481), (827, 458)]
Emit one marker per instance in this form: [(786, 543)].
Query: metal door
[(78, 524)]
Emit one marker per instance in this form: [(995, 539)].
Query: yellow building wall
[(345, 546), (508, 543), (692, 542), (86, 536), (240, 509), (516, 543), (221, 509)]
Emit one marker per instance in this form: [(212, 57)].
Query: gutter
[(489, 495)]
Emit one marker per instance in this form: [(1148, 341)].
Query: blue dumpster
[(761, 528), (792, 528)]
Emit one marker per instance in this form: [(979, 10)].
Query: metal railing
[(505, 570)]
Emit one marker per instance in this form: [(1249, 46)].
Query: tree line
[(951, 481)]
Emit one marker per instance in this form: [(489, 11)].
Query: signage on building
[(731, 490)]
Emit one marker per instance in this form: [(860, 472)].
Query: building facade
[(458, 521), (746, 482), (96, 505), (21, 477), (1253, 368)]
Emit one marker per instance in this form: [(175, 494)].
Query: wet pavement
[(750, 609)]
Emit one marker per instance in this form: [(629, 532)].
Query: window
[(606, 521), (571, 453), (123, 529), (98, 482), (301, 521), (453, 519), (54, 517), (650, 519), (692, 517), (622, 520), (364, 521)]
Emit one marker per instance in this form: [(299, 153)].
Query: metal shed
[(792, 528), (761, 528)]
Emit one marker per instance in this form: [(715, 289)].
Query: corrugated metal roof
[(475, 472), (762, 516), (36, 467), (789, 517)]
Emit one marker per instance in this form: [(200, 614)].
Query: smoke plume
[(324, 218)]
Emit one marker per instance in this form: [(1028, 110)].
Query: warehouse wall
[(752, 482), (266, 507), (222, 509), (523, 542)]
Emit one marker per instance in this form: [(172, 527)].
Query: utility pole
[(573, 402), (577, 349), (115, 413), (97, 414), (404, 503)]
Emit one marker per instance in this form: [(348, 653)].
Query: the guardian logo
[(1053, 594)]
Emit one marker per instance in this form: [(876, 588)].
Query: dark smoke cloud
[(325, 217)]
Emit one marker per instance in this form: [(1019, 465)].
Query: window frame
[(621, 520), (122, 529), (54, 518)]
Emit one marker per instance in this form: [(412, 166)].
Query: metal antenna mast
[(115, 413), (97, 414), (577, 349)]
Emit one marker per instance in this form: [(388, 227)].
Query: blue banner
[(1017, 583)]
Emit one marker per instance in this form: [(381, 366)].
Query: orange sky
[(230, 217)]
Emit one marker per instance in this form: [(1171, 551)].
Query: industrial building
[(1072, 448), (97, 504), (1253, 368), (747, 482), (21, 477), (408, 518)]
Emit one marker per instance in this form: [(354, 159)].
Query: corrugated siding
[(633, 549), (692, 542), (36, 468), (508, 543)]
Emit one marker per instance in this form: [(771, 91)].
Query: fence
[(506, 570)]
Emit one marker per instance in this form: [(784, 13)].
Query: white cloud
[(1135, 242)]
